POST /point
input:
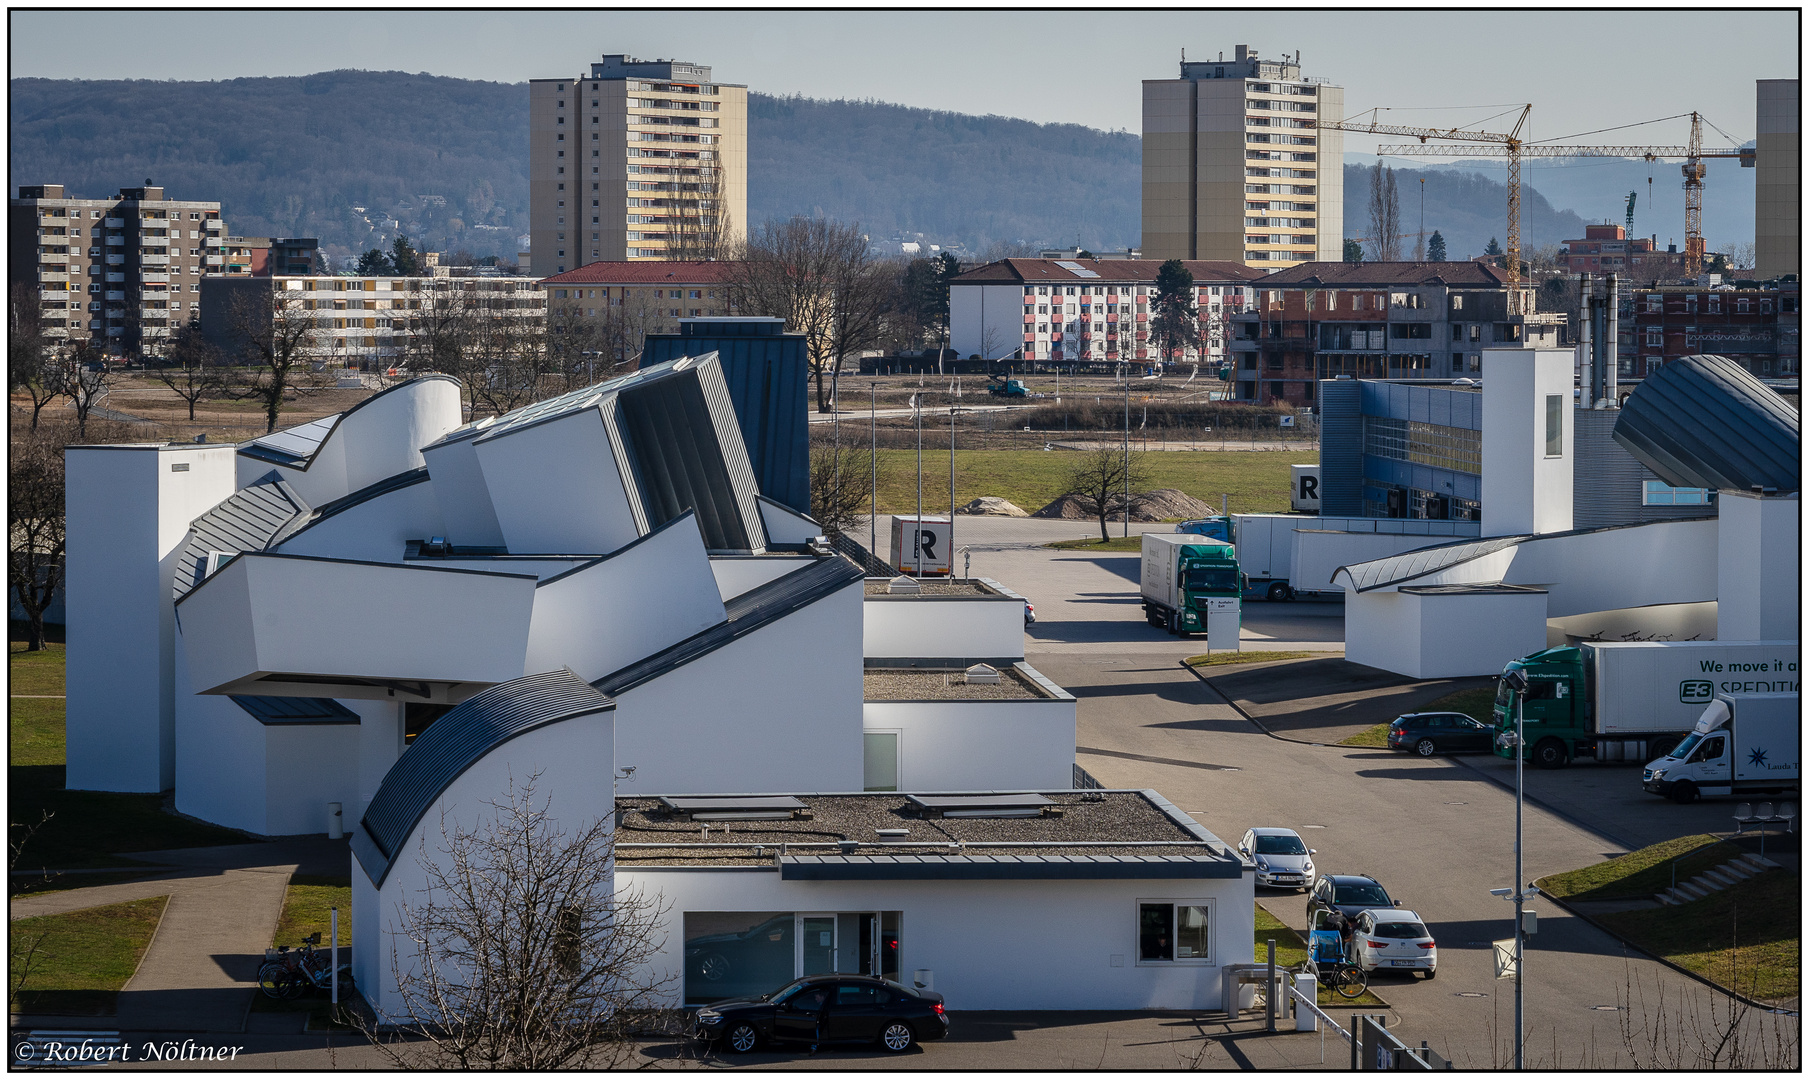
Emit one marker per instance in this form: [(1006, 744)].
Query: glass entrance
[(816, 944)]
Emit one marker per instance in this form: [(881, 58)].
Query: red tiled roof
[(644, 272), (1345, 275), (1032, 271)]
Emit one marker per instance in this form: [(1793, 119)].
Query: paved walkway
[(201, 969)]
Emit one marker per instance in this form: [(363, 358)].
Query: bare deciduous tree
[(31, 363), (816, 274), (35, 529), (840, 487), (1384, 215), (279, 339), (525, 955), (1098, 480), (701, 228), (89, 380), (194, 370)]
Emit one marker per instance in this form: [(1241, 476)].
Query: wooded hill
[(355, 157)]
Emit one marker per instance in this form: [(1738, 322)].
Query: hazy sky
[(1581, 71)]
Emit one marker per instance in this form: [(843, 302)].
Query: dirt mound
[(992, 506), (1164, 503), (1158, 505)]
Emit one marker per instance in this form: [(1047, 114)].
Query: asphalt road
[(1438, 833)]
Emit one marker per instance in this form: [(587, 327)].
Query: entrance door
[(816, 944)]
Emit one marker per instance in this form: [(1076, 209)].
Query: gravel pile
[(1161, 504), (991, 506)]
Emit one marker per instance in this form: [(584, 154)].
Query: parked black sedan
[(1429, 733), (823, 1010)]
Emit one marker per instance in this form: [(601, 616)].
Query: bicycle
[(286, 974), (1333, 969)]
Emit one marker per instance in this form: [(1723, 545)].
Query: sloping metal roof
[(295, 447), (746, 613), (1380, 573), (295, 710), (454, 743), (553, 408), (362, 495), (252, 519), (1706, 422)]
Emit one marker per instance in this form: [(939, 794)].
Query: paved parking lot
[(1437, 832)]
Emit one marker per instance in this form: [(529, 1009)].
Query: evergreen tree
[(1435, 248), (1353, 251), (404, 260), (1175, 318), (1493, 248), (374, 263)]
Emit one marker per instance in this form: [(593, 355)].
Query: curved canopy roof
[(1706, 422), (454, 743)]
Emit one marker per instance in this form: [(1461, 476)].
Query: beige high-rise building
[(1234, 167), (1779, 184), (640, 159)]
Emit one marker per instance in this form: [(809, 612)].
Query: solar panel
[(1075, 268)]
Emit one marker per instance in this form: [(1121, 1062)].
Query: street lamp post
[(873, 457), (1516, 681), (1127, 449)]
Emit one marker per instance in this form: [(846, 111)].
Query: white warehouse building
[(399, 613)]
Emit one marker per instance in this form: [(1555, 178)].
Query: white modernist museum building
[(396, 614)]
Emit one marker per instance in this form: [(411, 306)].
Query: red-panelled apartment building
[(1608, 249), (1758, 324)]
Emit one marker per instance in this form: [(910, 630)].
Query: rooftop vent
[(983, 673), (892, 836), (739, 808), (985, 806), (902, 584)]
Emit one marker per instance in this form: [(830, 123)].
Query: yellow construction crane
[(1694, 170), (1511, 144)]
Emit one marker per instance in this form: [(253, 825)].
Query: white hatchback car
[(1281, 859), (1394, 939)]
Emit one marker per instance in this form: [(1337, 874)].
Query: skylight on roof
[(1074, 267), (738, 807), (999, 805)]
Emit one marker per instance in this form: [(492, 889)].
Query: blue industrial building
[(768, 374), (1400, 449)]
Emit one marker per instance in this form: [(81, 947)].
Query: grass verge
[(84, 958), (35, 724), (1131, 543), (1221, 659), (1747, 938), (307, 909), (1477, 702), (1642, 873), (1290, 951), (1256, 482)]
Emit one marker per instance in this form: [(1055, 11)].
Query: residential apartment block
[(627, 156), (1758, 325), (1779, 184), (262, 256), (364, 322), (1608, 249), (121, 272), (1235, 168), (637, 298), (1376, 320), (1064, 310)]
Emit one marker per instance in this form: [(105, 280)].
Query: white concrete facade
[(971, 628), (1527, 440), (979, 745), (1065, 944), (1759, 575)]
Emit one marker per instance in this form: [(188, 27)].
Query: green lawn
[(1290, 951), (1221, 659), (86, 828), (1641, 873), (307, 909), (1477, 702), (1748, 938), (35, 735), (1132, 543), (84, 958), (1256, 482)]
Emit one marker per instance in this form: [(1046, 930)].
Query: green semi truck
[(1186, 579), (1631, 701)]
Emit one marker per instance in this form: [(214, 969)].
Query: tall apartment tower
[(121, 272), (630, 156), (1234, 168), (1779, 183)]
